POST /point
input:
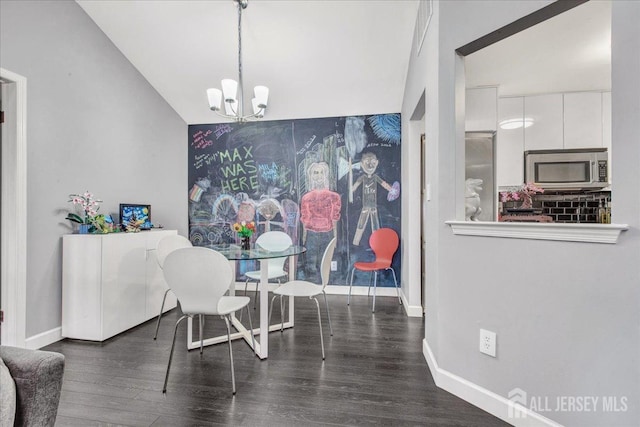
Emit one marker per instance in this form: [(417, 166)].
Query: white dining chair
[(302, 288), (165, 246), (200, 277), (273, 241)]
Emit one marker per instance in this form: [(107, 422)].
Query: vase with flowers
[(522, 193), (245, 230), (86, 206)]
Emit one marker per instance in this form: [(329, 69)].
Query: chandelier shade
[(233, 104)]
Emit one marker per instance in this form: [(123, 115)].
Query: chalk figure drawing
[(369, 181), (319, 215)]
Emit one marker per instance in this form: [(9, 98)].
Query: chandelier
[(232, 92)]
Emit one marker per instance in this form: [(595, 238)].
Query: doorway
[(13, 207)]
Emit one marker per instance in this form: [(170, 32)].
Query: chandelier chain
[(240, 85)]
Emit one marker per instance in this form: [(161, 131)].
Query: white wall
[(566, 314), (93, 124)]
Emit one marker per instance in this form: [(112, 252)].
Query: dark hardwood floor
[(374, 374)]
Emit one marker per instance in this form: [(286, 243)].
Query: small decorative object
[(88, 206), (524, 193), (134, 224), (103, 224), (140, 212), (245, 230), (472, 208)]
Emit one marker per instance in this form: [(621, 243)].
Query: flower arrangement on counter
[(89, 206), (244, 229), (523, 193), (90, 221)]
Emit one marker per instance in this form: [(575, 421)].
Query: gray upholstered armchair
[(38, 379)]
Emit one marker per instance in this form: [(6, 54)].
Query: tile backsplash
[(576, 207)]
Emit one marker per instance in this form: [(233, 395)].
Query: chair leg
[(201, 320), (320, 323), (281, 314), (253, 340), (396, 282), (375, 283), (173, 345), (164, 298), (353, 270), (233, 374), (246, 283), (271, 308), (255, 299), (369, 288), (328, 316)]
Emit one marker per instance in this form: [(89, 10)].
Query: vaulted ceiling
[(324, 58), (319, 58)]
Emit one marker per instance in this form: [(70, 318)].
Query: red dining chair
[(384, 242)]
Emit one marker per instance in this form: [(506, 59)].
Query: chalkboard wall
[(312, 178)]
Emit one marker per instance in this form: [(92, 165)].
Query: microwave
[(571, 169)]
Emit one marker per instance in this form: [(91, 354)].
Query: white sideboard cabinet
[(110, 283)]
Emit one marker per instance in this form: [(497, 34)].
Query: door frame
[(13, 231), (423, 205)]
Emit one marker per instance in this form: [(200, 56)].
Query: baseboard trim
[(411, 310), (334, 290), (361, 290), (481, 397), (44, 339)]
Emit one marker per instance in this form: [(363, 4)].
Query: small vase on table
[(245, 243)]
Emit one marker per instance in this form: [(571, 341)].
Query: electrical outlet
[(488, 342), (334, 265)]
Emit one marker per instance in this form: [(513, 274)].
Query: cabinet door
[(606, 126), (81, 287), (546, 132), (510, 144), (583, 120), (481, 109), (124, 258), (606, 121)]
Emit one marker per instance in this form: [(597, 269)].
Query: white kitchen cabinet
[(606, 121), (110, 283), (546, 132), (583, 120), (481, 107), (606, 127), (510, 144)]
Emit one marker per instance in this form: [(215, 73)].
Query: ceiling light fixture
[(232, 90), (516, 123)]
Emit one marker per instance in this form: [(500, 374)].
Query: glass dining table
[(234, 253)]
